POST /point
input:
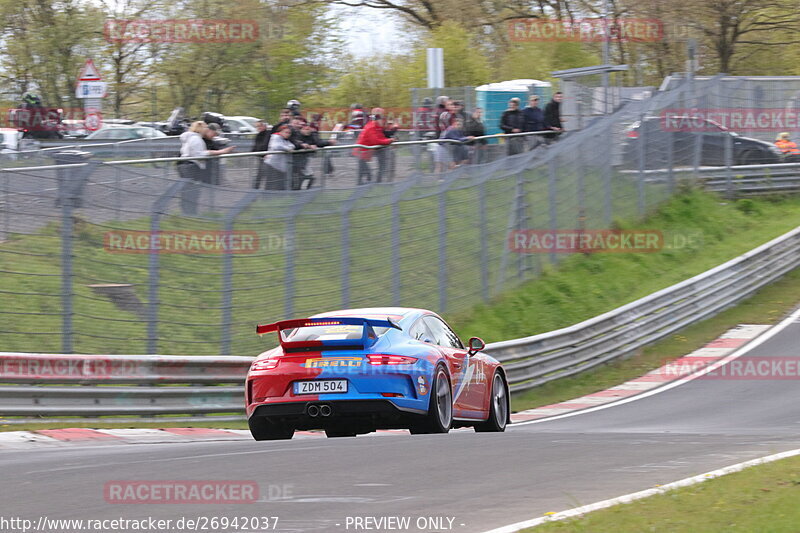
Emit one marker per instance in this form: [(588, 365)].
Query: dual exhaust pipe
[(314, 410)]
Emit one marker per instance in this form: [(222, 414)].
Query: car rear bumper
[(367, 415)]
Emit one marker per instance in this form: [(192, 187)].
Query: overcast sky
[(368, 31)]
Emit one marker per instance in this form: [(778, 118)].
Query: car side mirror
[(476, 344)]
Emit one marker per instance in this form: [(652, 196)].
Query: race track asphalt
[(481, 481)]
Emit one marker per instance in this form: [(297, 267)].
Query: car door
[(468, 374)]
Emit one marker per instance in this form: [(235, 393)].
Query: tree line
[(300, 50)]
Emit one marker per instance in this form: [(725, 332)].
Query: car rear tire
[(263, 429), (498, 407), (440, 411)]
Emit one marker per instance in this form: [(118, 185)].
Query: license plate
[(320, 386)]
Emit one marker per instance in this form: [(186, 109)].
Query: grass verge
[(761, 498), (767, 306)]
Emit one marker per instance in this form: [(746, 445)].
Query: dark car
[(686, 133)]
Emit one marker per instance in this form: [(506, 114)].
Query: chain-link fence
[(101, 256)]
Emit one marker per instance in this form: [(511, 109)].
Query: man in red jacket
[(371, 135)]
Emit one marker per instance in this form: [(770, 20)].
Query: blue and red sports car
[(359, 370)]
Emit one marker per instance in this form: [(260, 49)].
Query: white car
[(242, 124), (11, 143)]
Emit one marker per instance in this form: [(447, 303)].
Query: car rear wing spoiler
[(367, 339)]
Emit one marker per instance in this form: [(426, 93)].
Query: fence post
[(521, 207), (443, 244), (153, 265), (642, 165), (346, 208), (484, 236), (671, 161), (117, 182), (227, 272), (300, 201), (7, 205), (608, 199), (70, 189), (66, 269), (728, 162), (552, 200), (397, 195)]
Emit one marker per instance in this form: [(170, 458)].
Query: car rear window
[(327, 332)]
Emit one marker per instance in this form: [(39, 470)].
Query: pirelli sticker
[(333, 362)]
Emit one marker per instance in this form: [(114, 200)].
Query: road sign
[(91, 89), (89, 72), (93, 120)]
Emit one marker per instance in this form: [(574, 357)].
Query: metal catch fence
[(111, 256)]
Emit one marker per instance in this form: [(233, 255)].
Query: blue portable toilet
[(494, 97)]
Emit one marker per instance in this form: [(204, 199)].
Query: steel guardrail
[(105, 385)]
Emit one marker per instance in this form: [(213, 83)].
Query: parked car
[(242, 124), (13, 141), (75, 129), (134, 150), (712, 136), (124, 133)]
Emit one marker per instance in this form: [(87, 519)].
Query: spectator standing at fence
[(309, 136), (457, 111), (458, 152), (513, 121), (194, 170), (278, 164), (424, 116), (286, 117), (552, 117), (372, 135), (260, 144), (358, 118), (534, 120), (474, 127), (441, 107), (214, 141)]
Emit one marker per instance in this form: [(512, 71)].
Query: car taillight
[(264, 364), (381, 359), (633, 134)]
